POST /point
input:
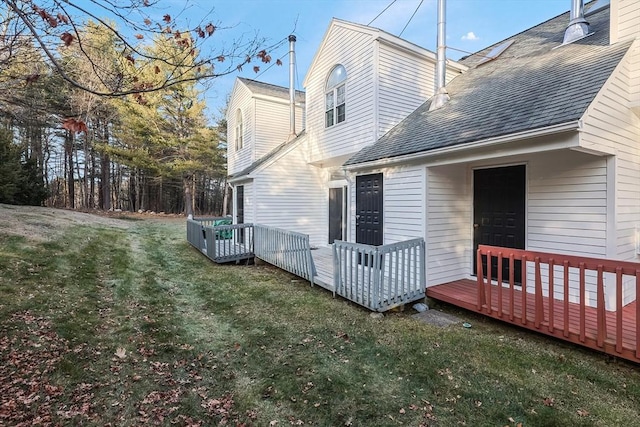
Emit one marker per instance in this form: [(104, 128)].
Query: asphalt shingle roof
[(533, 84), (268, 89)]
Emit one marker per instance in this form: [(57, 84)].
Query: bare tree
[(53, 24)]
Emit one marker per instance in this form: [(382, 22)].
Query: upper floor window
[(335, 96), (239, 130)]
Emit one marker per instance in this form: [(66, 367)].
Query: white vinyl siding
[(567, 204), (291, 194), (610, 122), (272, 125), (265, 121), (449, 217), (625, 20), (405, 81), (403, 193), (354, 50), (240, 100)]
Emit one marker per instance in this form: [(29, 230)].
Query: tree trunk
[(68, 148), (105, 182), (187, 182), (92, 188)]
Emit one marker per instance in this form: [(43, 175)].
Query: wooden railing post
[(552, 295), (479, 275), (600, 308), (637, 314), (512, 284), (487, 288), (500, 284), (524, 289), (565, 264), (583, 296), (619, 309), (539, 308)]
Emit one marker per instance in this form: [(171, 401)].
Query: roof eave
[(573, 125)]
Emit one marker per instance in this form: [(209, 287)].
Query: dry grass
[(125, 324)]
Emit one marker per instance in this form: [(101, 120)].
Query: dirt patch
[(437, 318), (41, 224)]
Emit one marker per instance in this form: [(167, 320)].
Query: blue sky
[(471, 26)]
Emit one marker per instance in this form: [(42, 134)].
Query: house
[(361, 83), (537, 148)]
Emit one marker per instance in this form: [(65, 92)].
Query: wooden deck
[(323, 260), (561, 320), (229, 251), (377, 277)]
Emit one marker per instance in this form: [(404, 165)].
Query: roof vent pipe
[(292, 87), (578, 26), (441, 96)]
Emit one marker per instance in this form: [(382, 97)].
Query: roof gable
[(533, 84), (267, 89), (375, 34)]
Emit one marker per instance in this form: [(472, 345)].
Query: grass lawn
[(103, 325)]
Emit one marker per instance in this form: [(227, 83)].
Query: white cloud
[(470, 36)]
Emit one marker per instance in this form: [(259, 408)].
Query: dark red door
[(499, 212)]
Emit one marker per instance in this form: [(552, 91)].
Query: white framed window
[(335, 96), (239, 131)]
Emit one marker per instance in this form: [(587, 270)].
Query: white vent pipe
[(441, 96)]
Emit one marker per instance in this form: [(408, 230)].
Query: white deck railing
[(377, 277), (221, 243), (288, 250), (380, 277)]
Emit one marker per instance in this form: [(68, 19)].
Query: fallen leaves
[(28, 357), (121, 353)]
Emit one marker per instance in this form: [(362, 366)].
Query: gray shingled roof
[(268, 89), (270, 155), (530, 86)]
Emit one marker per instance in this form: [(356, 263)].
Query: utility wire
[(278, 45), (383, 11), (408, 22)]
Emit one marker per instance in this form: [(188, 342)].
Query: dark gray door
[(240, 210), (499, 212), (369, 212), (336, 214)]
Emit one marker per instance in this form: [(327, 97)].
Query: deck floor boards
[(323, 261), (464, 293), (228, 251)]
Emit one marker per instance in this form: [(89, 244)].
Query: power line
[(279, 44), (408, 22), (383, 11)]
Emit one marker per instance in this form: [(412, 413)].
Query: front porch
[(549, 308)]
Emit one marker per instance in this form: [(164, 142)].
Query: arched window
[(239, 130), (335, 96)]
